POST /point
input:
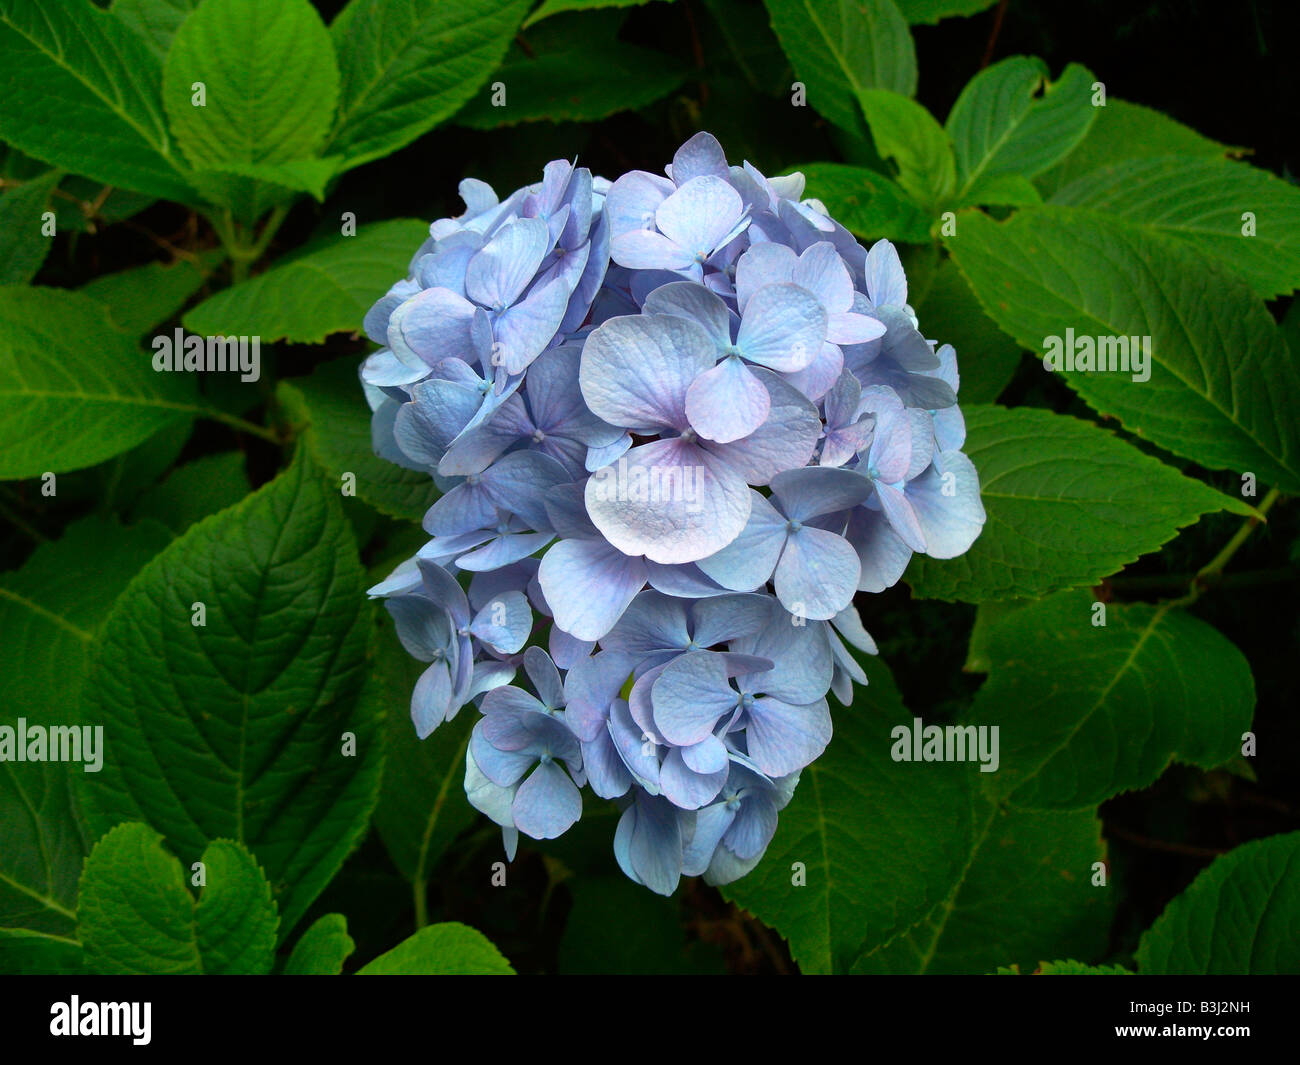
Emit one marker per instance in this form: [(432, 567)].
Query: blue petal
[(547, 804), (588, 585)]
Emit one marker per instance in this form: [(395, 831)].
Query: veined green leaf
[(447, 949), (1238, 917), (1222, 383), (840, 48), (1068, 503), (1001, 125), (61, 410), (1089, 710), (326, 288), (407, 65), (137, 916), (1241, 215), (80, 90), (247, 725)]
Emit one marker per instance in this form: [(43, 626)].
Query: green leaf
[(190, 493), (238, 728), (1002, 190), (1239, 916), (855, 814), (1127, 131), (1067, 968), (840, 48), (1010, 119), (23, 245), (422, 805), (1202, 202), (408, 65), (62, 411), (1068, 503), (137, 916), (270, 84), (235, 920), (326, 288), (906, 132), (986, 357), (1087, 711), (575, 85), (447, 949), (651, 940), (987, 617), (1222, 383), (322, 949), (140, 298), (79, 89), (1026, 888), (867, 203), (331, 406), (25, 953), (928, 12), (50, 613), (557, 7), (156, 21)]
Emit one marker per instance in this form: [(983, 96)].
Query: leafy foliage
[(189, 553)]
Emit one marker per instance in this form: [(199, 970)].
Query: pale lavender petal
[(748, 561), (547, 804), (785, 441), (502, 551), (504, 622), (498, 273), (588, 585), (902, 517), (816, 379), (783, 328), (710, 825), (783, 737), (707, 756), (642, 249), (606, 773), (504, 767), (727, 402), (635, 370), (686, 788), (633, 199), (881, 552), (814, 490), (886, 282), (635, 746), (700, 155), (690, 696), (648, 844), (763, 264), (590, 687), (822, 272), (431, 701), (685, 299), (699, 215), (729, 617), (524, 330), (817, 575), (669, 500), (946, 502), (567, 651), (850, 328), (545, 677)]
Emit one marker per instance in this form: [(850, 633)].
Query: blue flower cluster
[(684, 418)]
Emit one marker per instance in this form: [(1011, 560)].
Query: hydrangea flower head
[(679, 423)]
